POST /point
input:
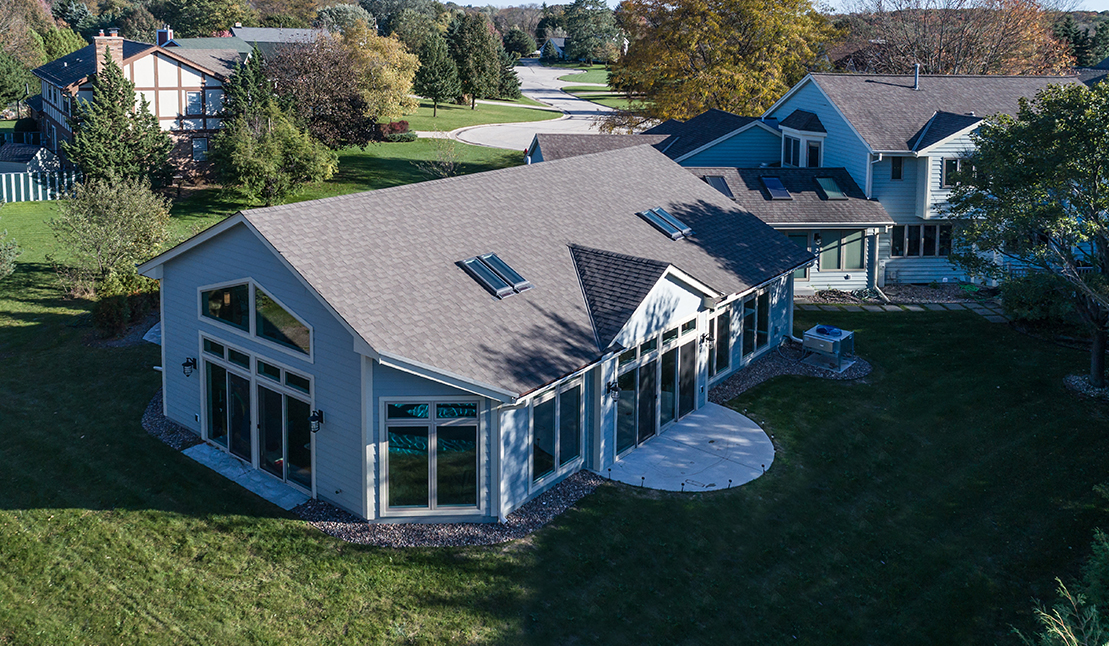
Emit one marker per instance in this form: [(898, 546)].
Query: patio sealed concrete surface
[(703, 451)]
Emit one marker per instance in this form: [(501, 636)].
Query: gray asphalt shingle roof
[(214, 42), (561, 146), (888, 114), (614, 285), (941, 126), (386, 260), (220, 61), (18, 153), (809, 204), (802, 120), (687, 136), (81, 64)]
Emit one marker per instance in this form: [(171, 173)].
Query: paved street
[(542, 84)]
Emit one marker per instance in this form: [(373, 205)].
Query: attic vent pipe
[(916, 76)]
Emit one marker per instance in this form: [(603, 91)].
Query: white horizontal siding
[(961, 146)]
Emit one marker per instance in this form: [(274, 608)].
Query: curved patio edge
[(710, 449)]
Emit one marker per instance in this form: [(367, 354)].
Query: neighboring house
[(900, 138), (469, 342), (549, 147), (270, 39), (719, 138), (559, 43), (26, 158), (184, 88), (817, 208)]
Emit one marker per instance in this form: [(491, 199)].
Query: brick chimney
[(111, 43), (165, 34)]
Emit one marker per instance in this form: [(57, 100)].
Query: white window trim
[(383, 452), (944, 184), (803, 153), (559, 471), (842, 251), (251, 374), (251, 331), (194, 114)]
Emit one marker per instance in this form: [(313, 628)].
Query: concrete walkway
[(990, 310), (711, 448), (541, 84), (252, 480)]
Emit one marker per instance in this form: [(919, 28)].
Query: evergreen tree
[(59, 42), (247, 87), (590, 26), (113, 139), (508, 83), (14, 79), (517, 41), (550, 52), (474, 50), (437, 78)]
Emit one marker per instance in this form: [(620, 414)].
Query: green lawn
[(459, 116), (927, 504), (597, 73), (378, 166), (611, 99)]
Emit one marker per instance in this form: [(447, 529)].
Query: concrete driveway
[(541, 84)]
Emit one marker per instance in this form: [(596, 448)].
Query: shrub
[(9, 251), (1037, 298), (112, 310), (392, 128)]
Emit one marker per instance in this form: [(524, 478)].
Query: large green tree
[(519, 42), (112, 137), (687, 56), (474, 50), (591, 31), (59, 42), (266, 157), (14, 79), (1038, 197), (437, 78)]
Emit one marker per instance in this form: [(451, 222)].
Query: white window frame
[(842, 250), (432, 423), (251, 331), (255, 379), (711, 320), (199, 93), (554, 392), (193, 141), (959, 161), (805, 138)]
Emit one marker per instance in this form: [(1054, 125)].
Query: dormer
[(802, 140)]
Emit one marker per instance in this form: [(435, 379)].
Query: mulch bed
[(174, 435), (906, 295)]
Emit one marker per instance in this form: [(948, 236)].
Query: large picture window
[(270, 432), (556, 430), (920, 240), (842, 250), (433, 455), (266, 319)]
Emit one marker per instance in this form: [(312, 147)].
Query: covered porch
[(711, 448)]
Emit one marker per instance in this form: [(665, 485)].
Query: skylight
[(776, 188), (831, 188), (495, 275), (668, 224), (719, 184)]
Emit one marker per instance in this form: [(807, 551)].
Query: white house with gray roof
[(462, 345), (900, 137)]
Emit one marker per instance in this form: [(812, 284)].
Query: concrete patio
[(702, 452)]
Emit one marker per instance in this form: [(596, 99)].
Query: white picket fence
[(37, 187)]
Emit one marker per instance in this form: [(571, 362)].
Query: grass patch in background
[(453, 116), (378, 166), (589, 74)]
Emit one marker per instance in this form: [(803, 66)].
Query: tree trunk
[(434, 109), (473, 100), (1097, 358)]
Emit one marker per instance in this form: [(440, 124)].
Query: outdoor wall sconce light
[(315, 420), (613, 389), (188, 366), (816, 239)]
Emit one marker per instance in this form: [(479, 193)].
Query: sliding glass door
[(284, 436)]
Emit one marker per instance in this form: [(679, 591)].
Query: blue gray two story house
[(900, 138), (446, 351)]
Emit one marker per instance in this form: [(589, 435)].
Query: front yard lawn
[(927, 504), (453, 116), (588, 74)]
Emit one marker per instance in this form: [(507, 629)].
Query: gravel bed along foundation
[(525, 520), (1081, 385), (785, 360), (176, 436)]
